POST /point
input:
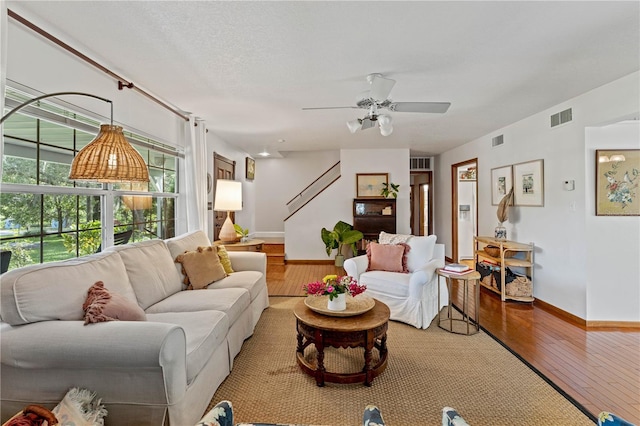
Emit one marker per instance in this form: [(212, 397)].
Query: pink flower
[(330, 289), (333, 285)]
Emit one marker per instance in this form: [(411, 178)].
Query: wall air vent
[(561, 117), (497, 141), (421, 163)]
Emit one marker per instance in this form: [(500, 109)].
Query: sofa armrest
[(128, 345), (421, 277), (248, 261), (355, 266)]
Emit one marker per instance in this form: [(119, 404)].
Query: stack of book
[(456, 268)]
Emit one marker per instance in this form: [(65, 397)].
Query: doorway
[(421, 217), (223, 168), (464, 209)]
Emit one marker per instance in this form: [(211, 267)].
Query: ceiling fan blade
[(367, 123), (429, 107), (380, 87), (340, 107)]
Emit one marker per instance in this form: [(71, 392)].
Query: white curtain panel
[(3, 68), (195, 176)]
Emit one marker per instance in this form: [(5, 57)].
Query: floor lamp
[(228, 198)]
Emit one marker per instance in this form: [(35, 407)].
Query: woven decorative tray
[(355, 305)]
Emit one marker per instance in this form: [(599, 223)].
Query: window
[(46, 217)]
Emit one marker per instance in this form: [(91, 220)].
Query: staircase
[(274, 248)]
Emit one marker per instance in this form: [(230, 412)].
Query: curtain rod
[(122, 82)]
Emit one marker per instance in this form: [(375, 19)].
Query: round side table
[(466, 315)]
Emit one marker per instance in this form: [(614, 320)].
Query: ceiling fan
[(378, 98)]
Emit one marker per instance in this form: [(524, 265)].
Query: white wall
[(613, 242), (245, 217), (278, 180), (302, 230), (39, 64), (559, 229)]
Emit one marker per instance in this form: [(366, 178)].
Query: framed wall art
[(617, 179), (528, 183), (250, 168), (467, 175), (369, 185), (501, 183)]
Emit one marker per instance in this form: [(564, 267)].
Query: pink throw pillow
[(102, 306), (387, 257)]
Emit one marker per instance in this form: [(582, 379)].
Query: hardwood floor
[(598, 369)]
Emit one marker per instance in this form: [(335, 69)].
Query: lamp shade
[(228, 195), (109, 158), (354, 125)]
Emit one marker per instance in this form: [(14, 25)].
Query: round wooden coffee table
[(368, 330)]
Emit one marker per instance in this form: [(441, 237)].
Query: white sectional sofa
[(156, 372)]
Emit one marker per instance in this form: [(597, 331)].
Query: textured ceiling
[(248, 68)]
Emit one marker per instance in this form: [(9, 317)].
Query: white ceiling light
[(384, 121), (264, 153), (354, 125)]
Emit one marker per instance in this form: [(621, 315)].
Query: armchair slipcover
[(412, 297)]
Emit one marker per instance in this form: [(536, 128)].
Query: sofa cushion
[(231, 301), (205, 331), (224, 259), (421, 251), (391, 283), (202, 267), (151, 270), (387, 257), (252, 281), (186, 242), (102, 305), (57, 290)]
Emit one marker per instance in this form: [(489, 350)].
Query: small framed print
[(250, 167), (467, 175), (528, 181), (617, 179), (369, 185), (501, 183)]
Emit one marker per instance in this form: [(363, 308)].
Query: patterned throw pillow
[(372, 416), (220, 415), (450, 417), (101, 306), (224, 259), (201, 267)]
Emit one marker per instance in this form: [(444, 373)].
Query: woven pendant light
[(109, 158)]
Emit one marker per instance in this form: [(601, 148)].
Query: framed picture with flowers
[(617, 179)]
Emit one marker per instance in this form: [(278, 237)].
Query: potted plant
[(242, 233), (342, 235), (390, 189)]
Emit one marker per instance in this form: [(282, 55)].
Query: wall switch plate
[(569, 185)]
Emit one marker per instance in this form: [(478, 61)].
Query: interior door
[(464, 208), (421, 203), (223, 168)]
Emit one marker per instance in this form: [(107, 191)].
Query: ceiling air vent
[(421, 163), (497, 141), (561, 117)]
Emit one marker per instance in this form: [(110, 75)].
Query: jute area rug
[(427, 370)]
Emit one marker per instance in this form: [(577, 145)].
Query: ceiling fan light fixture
[(354, 125), (386, 131)]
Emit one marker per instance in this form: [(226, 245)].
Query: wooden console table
[(368, 331), (251, 245)]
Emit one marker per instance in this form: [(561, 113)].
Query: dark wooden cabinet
[(372, 215)]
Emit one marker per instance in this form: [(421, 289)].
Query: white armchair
[(412, 297)]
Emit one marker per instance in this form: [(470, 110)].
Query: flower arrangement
[(333, 285)]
